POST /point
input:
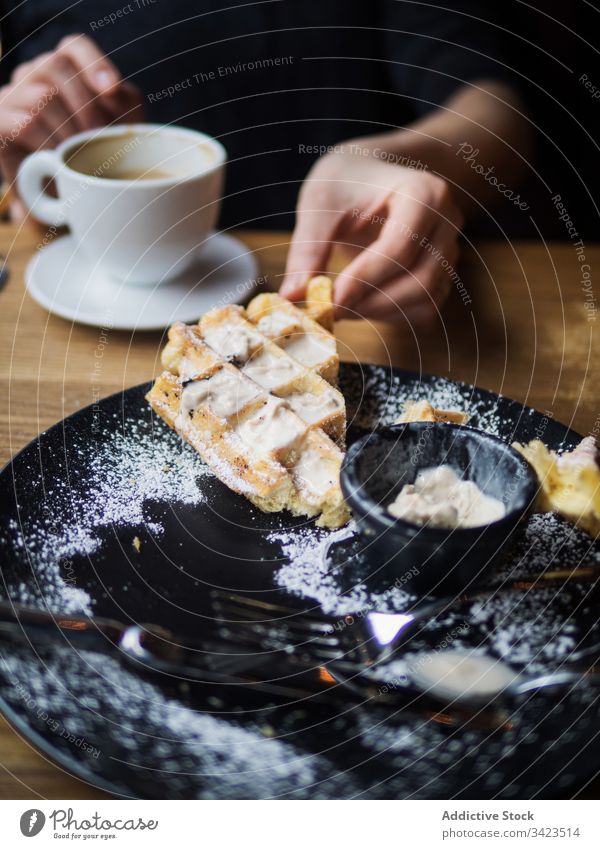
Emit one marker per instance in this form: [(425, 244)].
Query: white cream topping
[(312, 407), (272, 428), (232, 341), (270, 370), (188, 368), (440, 498), (225, 394), (315, 472), (276, 323), (310, 348)]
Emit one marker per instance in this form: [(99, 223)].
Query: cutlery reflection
[(359, 651), (298, 653), (152, 648)]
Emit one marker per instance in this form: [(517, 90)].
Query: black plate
[(107, 512)]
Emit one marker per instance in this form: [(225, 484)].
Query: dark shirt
[(277, 81)]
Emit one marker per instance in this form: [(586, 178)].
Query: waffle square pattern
[(254, 392)]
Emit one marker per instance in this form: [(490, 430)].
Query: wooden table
[(528, 333)]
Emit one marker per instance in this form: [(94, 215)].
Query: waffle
[(265, 423), (319, 404), (423, 411), (319, 301), (569, 483), (296, 332)]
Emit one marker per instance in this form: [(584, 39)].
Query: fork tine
[(232, 614), (285, 635), (241, 610), (289, 635), (317, 655), (310, 635), (301, 629), (250, 603)]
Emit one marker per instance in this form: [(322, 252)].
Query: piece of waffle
[(319, 301), (261, 420), (296, 332), (320, 405), (423, 411), (569, 482)]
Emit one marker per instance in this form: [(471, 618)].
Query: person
[(391, 125)]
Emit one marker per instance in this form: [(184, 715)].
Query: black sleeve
[(31, 27), (8, 40), (431, 49)]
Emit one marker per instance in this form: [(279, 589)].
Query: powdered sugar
[(307, 572), (529, 627), (380, 397), (129, 468), (97, 699), (331, 568), (166, 742)]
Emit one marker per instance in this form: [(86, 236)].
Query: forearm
[(480, 141)]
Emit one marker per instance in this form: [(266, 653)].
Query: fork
[(352, 641), (361, 638), (351, 645)]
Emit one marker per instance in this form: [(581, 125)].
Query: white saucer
[(62, 281)]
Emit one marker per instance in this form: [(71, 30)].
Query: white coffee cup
[(139, 199)]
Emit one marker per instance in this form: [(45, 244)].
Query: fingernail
[(290, 285), (105, 79)]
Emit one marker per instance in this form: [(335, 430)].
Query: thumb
[(309, 251)]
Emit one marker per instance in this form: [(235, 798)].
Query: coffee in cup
[(139, 199)]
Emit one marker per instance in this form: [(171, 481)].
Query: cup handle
[(33, 171)]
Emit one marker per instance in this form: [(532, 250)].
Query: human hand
[(401, 226), (70, 89)]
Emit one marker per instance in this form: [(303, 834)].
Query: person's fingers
[(424, 288), (26, 136), (412, 227), (85, 105), (427, 283), (389, 255), (390, 304), (59, 72), (312, 243), (126, 104), (20, 122), (58, 121), (75, 56), (85, 79), (96, 69), (14, 105), (27, 72), (86, 110)]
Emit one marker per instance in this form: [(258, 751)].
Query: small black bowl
[(423, 559)]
